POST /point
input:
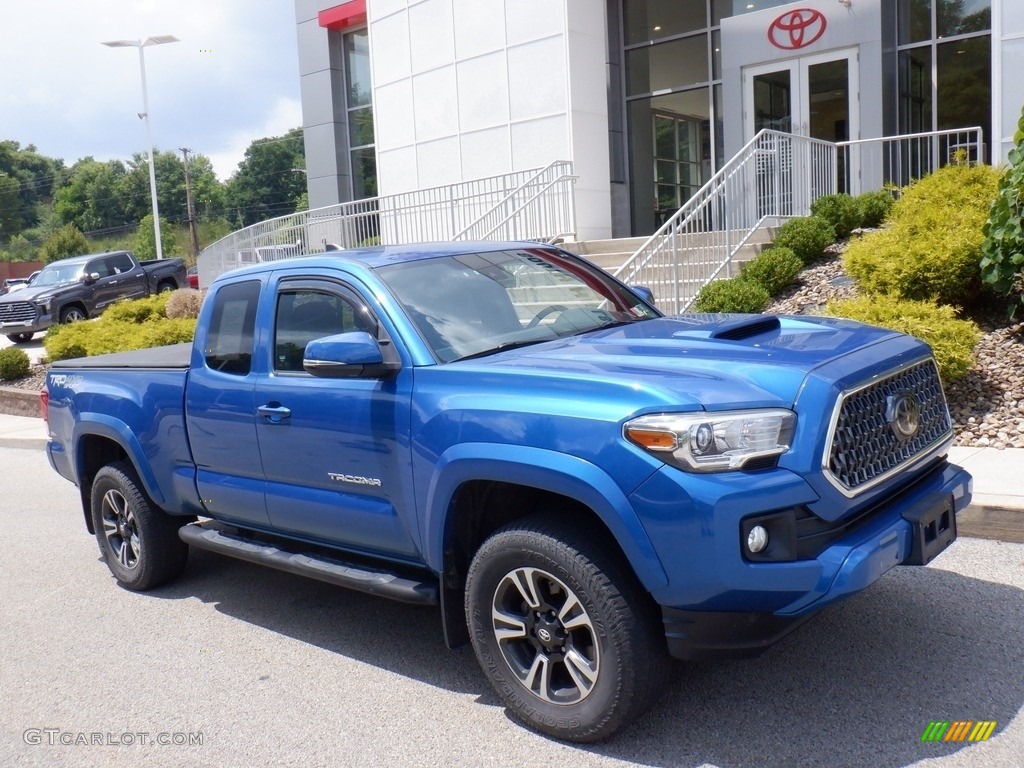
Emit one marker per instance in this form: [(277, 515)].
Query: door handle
[(274, 413)]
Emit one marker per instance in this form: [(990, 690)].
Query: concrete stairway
[(612, 254)]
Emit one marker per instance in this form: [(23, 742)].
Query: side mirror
[(644, 293), (90, 277), (352, 355)]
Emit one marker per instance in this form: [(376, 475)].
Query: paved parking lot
[(34, 349), (264, 668)]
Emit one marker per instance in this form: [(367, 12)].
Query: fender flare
[(89, 424), (545, 470)]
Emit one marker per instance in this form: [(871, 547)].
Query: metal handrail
[(560, 169), (774, 176), (438, 213)]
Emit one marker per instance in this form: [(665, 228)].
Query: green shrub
[(841, 211), (932, 246), (139, 310), (1003, 247), (736, 295), (773, 269), (806, 236), (105, 335), (14, 363), (184, 302), (952, 340), (873, 207)]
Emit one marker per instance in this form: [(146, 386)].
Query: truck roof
[(381, 255)]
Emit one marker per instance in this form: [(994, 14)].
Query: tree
[(145, 239), (10, 207), (35, 178), (67, 241), (267, 183), (93, 199)]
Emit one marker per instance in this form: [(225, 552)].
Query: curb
[(19, 402)]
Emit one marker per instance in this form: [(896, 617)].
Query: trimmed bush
[(841, 211), (932, 246), (952, 340), (806, 236), (102, 336), (773, 269), (736, 295), (184, 302), (139, 310), (874, 207), (14, 363)]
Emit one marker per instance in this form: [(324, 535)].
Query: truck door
[(219, 410), (335, 451)]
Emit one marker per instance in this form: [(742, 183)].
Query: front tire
[(72, 315), (138, 541), (563, 631), (20, 338)]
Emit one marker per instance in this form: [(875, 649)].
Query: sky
[(232, 78)]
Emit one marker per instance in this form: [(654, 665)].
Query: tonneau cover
[(172, 356)]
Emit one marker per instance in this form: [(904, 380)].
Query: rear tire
[(166, 287), (565, 634), (138, 541)]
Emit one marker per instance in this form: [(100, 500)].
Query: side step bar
[(360, 578)]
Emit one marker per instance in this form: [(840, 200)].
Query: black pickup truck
[(82, 287)]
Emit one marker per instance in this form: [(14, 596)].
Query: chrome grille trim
[(17, 311), (862, 451)]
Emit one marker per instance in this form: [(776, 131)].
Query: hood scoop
[(745, 327)]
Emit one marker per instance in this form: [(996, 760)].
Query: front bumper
[(717, 602)]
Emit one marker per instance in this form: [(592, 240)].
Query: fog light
[(757, 539)]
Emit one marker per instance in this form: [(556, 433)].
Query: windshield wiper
[(501, 348)]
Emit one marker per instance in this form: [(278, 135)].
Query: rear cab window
[(229, 339)]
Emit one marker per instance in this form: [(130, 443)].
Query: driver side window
[(306, 314)]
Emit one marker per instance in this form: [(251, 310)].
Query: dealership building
[(646, 98)]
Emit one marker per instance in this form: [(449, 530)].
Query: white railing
[(895, 161), (774, 177), (527, 205)]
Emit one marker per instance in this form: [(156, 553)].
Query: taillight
[(44, 402)]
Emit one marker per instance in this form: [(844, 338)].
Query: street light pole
[(141, 45)]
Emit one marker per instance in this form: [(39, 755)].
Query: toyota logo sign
[(797, 29)]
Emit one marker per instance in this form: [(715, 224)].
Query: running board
[(360, 578)]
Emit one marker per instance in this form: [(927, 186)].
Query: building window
[(359, 104), (944, 65)]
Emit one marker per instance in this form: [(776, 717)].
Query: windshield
[(475, 304), (56, 275)]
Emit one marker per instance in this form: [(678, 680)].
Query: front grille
[(17, 311), (865, 447)]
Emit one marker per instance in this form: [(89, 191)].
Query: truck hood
[(714, 362), (31, 292)]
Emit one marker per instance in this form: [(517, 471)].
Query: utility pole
[(191, 205)]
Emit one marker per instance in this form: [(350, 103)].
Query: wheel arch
[(100, 442), (477, 489)]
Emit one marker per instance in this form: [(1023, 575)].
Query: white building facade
[(647, 98)]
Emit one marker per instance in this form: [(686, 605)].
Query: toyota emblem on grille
[(797, 29), (903, 412)]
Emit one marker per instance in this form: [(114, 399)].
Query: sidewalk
[(996, 511)]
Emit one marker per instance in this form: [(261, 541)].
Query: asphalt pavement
[(237, 665)]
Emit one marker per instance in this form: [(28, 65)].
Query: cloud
[(232, 76)]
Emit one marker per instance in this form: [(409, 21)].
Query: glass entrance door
[(810, 96)]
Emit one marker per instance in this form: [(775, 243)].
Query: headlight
[(713, 442)]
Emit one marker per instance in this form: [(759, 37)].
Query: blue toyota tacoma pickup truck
[(584, 487)]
